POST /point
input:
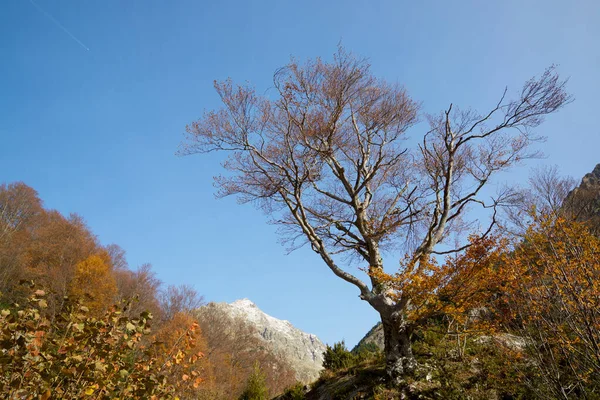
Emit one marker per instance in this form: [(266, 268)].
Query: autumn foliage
[(543, 288), (454, 289), (552, 295), (94, 282), (75, 356)]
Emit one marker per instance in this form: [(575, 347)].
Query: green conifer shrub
[(256, 387)]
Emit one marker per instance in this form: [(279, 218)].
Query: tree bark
[(399, 358)]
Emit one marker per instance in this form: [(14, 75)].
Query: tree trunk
[(399, 358)]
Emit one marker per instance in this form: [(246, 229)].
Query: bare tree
[(179, 299), (18, 205), (326, 160), (142, 287), (547, 194), (117, 257)]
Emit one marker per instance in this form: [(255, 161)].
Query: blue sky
[(95, 131)]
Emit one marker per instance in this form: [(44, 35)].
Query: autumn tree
[(117, 257), (325, 158), (179, 299), (140, 284), (95, 283), (39, 244), (454, 289), (54, 248), (70, 339), (168, 342), (552, 292), (20, 206)]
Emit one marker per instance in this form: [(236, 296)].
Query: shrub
[(256, 388), (338, 357), (76, 356), (296, 392), (366, 351)]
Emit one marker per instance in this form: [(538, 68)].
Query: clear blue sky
[(95, 131)]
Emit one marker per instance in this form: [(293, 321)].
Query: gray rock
[(513, 342)]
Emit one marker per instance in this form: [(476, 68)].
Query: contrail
[(59, 24)]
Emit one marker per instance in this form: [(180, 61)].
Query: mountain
[(583, 202), (373, 338), (303, 351), (591, 181)]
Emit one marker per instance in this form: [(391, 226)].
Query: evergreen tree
[(256, 388)]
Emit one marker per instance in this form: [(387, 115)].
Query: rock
[(303, 351), (513, 342)]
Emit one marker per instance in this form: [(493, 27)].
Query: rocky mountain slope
[(373, 337), (591, 181), (583, 203), (303, 351)]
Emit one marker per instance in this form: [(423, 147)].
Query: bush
[(296, 392), (366, 351), (75, 356), (338, 357), (256, 388)]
